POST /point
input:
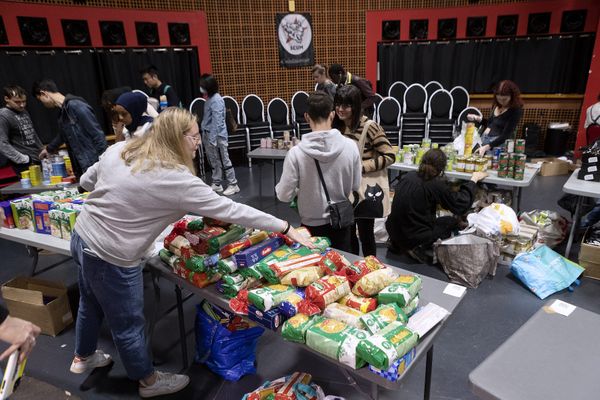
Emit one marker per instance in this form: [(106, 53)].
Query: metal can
[(459, 165), (478, 164), (489, 161), (426, 143), (520, 146), (520, 160), (519, 175), (25, 183), (435, 145), (59, 168), (470, 164), (503, 161), (509, 146), (502, 173), (449, 164)]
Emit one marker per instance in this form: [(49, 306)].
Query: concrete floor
[(486, 317)]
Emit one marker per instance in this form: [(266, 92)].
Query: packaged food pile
[(50, 213), (297, 386)]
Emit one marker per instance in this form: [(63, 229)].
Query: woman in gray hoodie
[(341, 166)]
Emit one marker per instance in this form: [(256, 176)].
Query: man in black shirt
[(158, 88), (18, 140)]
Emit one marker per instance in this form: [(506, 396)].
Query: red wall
[(196, 20)]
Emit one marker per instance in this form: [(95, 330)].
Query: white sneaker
[(216, 188), (165, 384), (231, 189), (98, 359)]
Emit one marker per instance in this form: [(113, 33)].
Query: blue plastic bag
[(228, 354), (544, 271)]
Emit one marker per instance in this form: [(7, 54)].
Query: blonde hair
[(320, 69), (164, 144)]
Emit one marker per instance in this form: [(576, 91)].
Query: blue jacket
[(80, 131), (213, 122)]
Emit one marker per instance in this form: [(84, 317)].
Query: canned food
[(502, 173), (520, 146), (449, 164), (25, 175), (489, 161), (479, 164), (459, 165), (25, 183), (509, 145), (519, 175), (470, 164)]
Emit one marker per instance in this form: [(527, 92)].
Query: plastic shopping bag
[(459, 141), (544, 271), (495, 219), (552, 226), (230, 354)]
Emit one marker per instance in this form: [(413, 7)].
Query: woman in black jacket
[(412, 225)]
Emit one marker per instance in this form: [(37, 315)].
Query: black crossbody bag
[(341, 214)]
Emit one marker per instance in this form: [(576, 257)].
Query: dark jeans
[(340, 238), (442, 229), (366, 233)]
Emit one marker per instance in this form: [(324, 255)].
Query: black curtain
[(88, 72), (551, 64)]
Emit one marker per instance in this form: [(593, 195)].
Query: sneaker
[(98, 359), (165, 384), (231, 189), (216, 188)]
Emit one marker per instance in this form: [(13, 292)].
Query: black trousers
[(366, 234), (340, 238), (442, 229)]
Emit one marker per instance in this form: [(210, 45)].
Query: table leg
[(275, 178), (428, 368), (184, 353), (374, 391), (574, 224), (34, 254), (352, 382), (519, 193), (154, 315)]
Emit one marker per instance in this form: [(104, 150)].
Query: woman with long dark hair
[(507, 110), (377, 155), (412, 224)]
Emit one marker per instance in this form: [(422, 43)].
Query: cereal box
[(67, 222), (54, 216), (6, 215), (22, 210)]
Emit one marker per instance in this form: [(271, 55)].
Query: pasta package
[(373, 282), (216, 222), (235, 232), (345, 314), (254, 254), (231, 285), (390, 344), (284, 260), (333, 262), (323, 292), (337, 340), (294, 329), (354, 272), (230, 249), (289, 390), (302, 277), (401, 291), (188, 225), (289, 306), (267, 297), (321, 242), (226, 266), (179, 246), (383, 316), (362, 304), (411, 307), (200, 240), (271, 319)]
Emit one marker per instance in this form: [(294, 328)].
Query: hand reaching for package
[(300, 237)]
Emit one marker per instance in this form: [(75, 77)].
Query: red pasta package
[(323, 292), (239, 304), (333, 262), (361, 268), (179, 246), (363, 304)]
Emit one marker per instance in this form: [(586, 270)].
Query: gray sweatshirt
[(126, 212), (341, 166), (18, 140)]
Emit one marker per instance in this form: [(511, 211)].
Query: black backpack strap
[(322, 181)]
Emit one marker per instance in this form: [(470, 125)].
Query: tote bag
[(374, 191)]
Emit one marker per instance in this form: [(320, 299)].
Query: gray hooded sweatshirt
[(341, 166)]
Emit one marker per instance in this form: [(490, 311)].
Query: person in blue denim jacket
[(78, 127), (214, 137)]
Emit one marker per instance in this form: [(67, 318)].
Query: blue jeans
[(117, 294), (592, 217)]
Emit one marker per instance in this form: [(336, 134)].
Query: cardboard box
[(42, 218), (589, 258), (22, 210), (42, 302), (552, 166)]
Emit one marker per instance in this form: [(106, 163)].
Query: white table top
[(38, 240), (529, 174), (273, 154), (580, 187)]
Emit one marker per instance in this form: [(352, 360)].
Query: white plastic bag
[(381, 234), (495, 219), (459, 141)]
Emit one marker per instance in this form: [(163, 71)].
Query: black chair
[(299, 107), (462, 117), (197, 108), (237, 141), (413, 123), (376, 102), (253, 118), (397, 91), (388, 115), (278, 115), (460, 100), (432, 87), (440, 126)]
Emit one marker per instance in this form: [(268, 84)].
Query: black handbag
[(341, 214)]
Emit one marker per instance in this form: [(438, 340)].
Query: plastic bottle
[(163, 102)]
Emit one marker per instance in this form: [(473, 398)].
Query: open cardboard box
[(552, 166), (589, 258), (45, 303)]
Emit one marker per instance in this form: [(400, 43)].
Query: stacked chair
[(197, 108), (388, 116), (253, 119), (413, 123), (397, 91), (440, 126), (299, 107), (238, 139), (278, 115)]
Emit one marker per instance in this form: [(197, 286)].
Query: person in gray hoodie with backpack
[(340, 165)]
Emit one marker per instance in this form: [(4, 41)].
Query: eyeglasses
[(195, 139)]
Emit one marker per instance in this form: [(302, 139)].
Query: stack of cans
[(503, 165)]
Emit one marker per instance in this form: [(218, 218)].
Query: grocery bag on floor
[(495, 218), (225, 343), (468, 259), (552, 226), (544, 271)]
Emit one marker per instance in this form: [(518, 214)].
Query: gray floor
[(486, 317)]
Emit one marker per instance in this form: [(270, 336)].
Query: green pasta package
[(270, 296), (382, 317), (294, 329), (390, 344), (401, 291), (337, 340)]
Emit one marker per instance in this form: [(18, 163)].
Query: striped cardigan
[(378, 153)]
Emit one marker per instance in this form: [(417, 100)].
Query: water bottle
[(163, 102), (46, 171)]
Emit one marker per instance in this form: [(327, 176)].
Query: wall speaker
[(3, 35), (147, 33), (34, 31), (179, 34), (538, 23), (506, 25), (113, 33), (390, 30), (476, 26), (419, 29), (573, 21), (76, 32), (447, 28)]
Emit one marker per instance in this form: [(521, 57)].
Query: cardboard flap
[(23, 295)]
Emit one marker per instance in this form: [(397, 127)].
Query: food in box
[(54, 216), (67, 222), (6, 215), (22, 210)]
